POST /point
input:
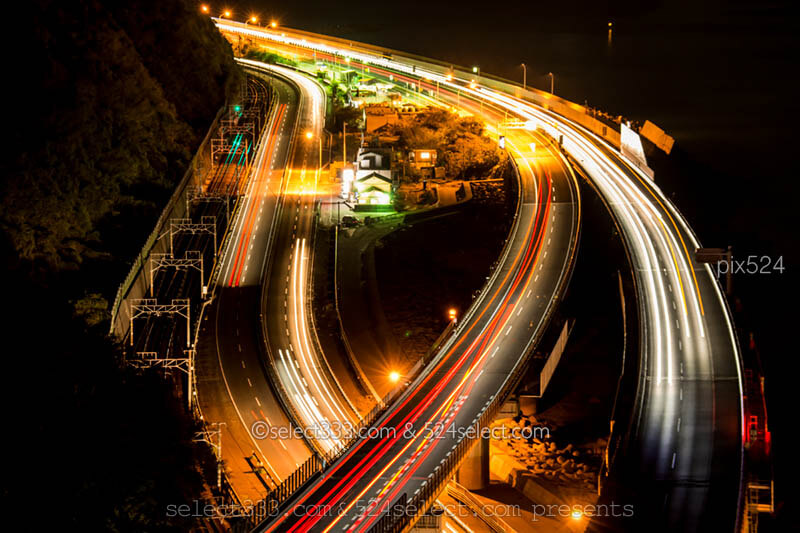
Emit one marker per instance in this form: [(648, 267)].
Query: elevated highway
[(683, 444)]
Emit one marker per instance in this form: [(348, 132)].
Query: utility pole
[(551, 82), (524, 76)]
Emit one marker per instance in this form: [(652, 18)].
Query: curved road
[(233, 387), (683, 451)]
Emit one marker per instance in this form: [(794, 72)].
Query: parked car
[(349, 221)]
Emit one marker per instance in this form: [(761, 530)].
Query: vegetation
[(104, 119), (464, 149), (268, 57), (110, 101)]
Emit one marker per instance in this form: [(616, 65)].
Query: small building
[(422, 158), (377, 116), (374, 182)]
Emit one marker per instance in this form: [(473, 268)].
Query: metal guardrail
[(312, 468), (397, 522)]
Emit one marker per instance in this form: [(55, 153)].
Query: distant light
[(273, 24), (204, 8), (394, 376), (475, 69), (227, 13), (610, 24), (451, 313), (309, 135), (237, 108), (254, 19), (577, 515)]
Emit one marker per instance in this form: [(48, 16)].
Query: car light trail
[(676, 352)]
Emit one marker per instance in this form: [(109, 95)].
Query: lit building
[(424, 163), (374, 181)]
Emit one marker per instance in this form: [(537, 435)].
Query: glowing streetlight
[(204, 8), (394, 376), (273, 24), (452, 314), (226, 14), (476, 70), (309, 135), (254, 19)]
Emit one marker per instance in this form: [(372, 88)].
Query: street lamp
[(254, 19), (273, 24), (204, 8), (524, 76), (226, 14), (551, 82), (452, 314), (394, 376)]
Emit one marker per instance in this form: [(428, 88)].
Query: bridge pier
[(474, 471)]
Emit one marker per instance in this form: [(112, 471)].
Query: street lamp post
[(524, 76), (551, 82)]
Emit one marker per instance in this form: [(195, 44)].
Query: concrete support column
[(474, 471)]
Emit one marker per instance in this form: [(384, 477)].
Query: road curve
[(233, 387), (684, 443)]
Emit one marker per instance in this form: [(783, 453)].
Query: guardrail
[(316, 465), (381, 55), (403, 520), (392, 522)]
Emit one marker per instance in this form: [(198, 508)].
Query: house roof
[(375, 175)]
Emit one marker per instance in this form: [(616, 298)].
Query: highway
[(311, 386), (682, 451), (483, 355), (258, 324), (683, 445), (231, 333)]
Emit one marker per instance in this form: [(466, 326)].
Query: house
[(422, 158), (377, 116), (374, 181)]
